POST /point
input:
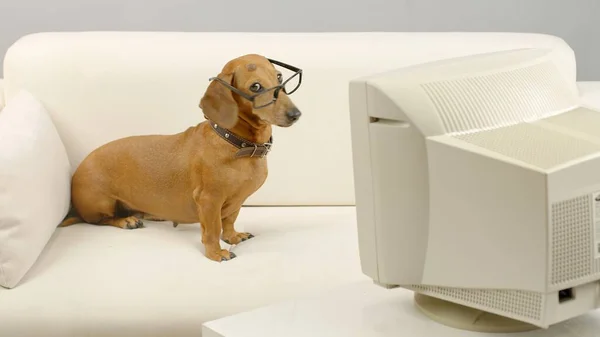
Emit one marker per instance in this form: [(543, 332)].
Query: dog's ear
[(218, 103)]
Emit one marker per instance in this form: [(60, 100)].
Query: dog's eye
[(279, 78), (255, 87)]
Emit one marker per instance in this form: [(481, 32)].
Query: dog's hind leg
[(150, 217), (153, 218), (99, 209), (125, 223)]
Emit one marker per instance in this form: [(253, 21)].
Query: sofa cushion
[(155, 281), (34, 185)]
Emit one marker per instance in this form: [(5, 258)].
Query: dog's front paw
[(220, 256), (235, 238)]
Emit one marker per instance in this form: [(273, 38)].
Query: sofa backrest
[(99, 86), (1, 94)]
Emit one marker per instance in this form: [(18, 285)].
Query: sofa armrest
[(2, 101), (589, 92)]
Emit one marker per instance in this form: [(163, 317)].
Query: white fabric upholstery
[(100, 86), (590, 93), (1, 94), (104, 281), (34, 185)]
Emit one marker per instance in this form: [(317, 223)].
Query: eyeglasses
[(269, 96)]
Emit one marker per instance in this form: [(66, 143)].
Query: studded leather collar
[(245, 148)]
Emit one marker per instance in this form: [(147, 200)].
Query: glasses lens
[(264, 99), (292, 84)]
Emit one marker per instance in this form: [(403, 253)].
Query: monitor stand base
[(466, 318)]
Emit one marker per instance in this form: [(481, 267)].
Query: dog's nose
[(294, 114)]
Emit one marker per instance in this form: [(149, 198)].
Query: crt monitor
[(477, 186)]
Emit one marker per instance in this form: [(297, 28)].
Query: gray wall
[(576, 21)]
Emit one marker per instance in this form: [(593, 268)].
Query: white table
[(364, 310)]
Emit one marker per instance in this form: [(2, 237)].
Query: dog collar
[(245, 148)]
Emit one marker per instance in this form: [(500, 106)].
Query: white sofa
[(98, 86)]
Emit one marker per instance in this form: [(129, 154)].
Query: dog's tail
[(71, 218)]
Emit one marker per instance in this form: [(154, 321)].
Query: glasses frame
[(277, 88)]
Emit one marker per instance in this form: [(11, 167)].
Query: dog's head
[(251, 88)]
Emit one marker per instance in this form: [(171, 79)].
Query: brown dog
[(203, 174)]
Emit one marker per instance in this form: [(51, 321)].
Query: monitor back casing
[(478, 181)]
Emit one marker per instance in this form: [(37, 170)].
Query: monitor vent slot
[(522, 305), (500, 99), (572, 233)]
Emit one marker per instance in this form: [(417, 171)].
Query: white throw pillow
[(35, 178)]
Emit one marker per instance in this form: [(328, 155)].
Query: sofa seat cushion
[(155, 281)]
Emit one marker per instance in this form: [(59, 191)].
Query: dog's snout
[(293, 114)]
